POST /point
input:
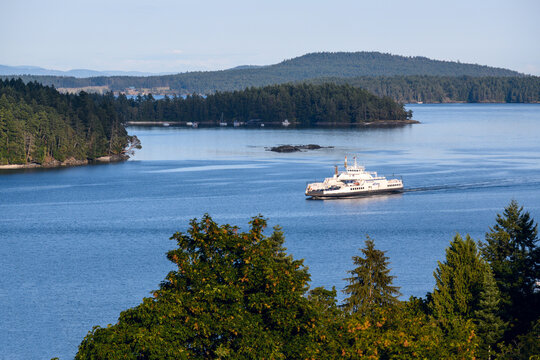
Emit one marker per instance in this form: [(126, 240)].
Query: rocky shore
[(53, 163)]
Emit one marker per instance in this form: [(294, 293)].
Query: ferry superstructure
[(354, 181)]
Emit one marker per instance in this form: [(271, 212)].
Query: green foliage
[(527, 346), (458, 284), (490, 327), (302, 104), (309, 66), (238, 295), (329, 331), (370, 286), (233, 295), (443, 89), (38, 124), (512, 252), (400, 88), (459, 280), (405, 332)]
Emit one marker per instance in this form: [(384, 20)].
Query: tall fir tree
[(512, 252), (459, 283), (459, 280), (370, 284), (490, 327)]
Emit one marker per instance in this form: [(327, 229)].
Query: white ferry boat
[(354, 181)]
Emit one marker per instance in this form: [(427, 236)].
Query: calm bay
[(79, 245)]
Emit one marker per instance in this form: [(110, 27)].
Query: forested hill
[(310, 66), (445, 89), (301, 104), (38, 125), (350, 64)]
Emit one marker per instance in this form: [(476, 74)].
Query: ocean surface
[(79, 245)]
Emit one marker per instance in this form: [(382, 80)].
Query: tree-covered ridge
[(40, 125), (365, 63), (302, 104), (238, 295), (443, 89), (406, 89), (306, 67)]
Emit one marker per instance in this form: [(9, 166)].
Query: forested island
[(447, 89), (41, 127), (239, 295), (309, 66), (404, 79), (301, 104)]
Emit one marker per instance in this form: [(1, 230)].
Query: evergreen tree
[(459, 280), (490, 327), (526, 346), (458, 284), (40, 125), (512, 252), (370, 285)]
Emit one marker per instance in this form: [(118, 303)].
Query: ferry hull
[(355, 181), (353, 194)]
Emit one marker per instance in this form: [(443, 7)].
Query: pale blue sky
[(177, 36)]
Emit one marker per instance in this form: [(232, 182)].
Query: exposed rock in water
[(311, 147), (294, 148), (111, 158), (284, 148)]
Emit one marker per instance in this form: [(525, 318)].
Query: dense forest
[(38, 125), (301, 104), (41, 126), (441, 89), (309, 66), (238, 295)]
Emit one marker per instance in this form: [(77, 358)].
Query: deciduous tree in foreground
[(233, 295), (238, 295)]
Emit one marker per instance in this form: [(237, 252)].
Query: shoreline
[(71, 162), (271, 124)]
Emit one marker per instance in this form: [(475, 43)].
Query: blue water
[(80, 245)]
